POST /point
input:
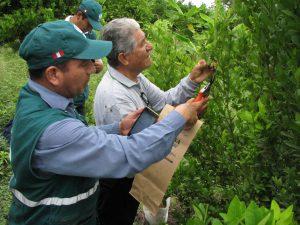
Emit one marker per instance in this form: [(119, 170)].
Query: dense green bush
[(186, 20), (249, 145), (139, 10), (17, 18)]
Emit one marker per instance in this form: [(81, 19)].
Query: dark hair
[(36, 74), (82, 13)]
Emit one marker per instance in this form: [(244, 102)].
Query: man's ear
[(53, 75), (79, 15), (123, 58)]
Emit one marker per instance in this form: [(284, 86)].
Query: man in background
[(124, 89), (85, 20)]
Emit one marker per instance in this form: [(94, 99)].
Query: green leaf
[(287, 214), (276, 209), (297, 118), (175, 6), (295, 40), (236, 209), (182, 38), (192, 12), (198, 212), (261, 106), (250, 214), (193, 221), (289, 13), (264, 220), (286, 134), (216, 222), (207, 19), (258, 126), (297, 74), (246, 116), (191, 28), (225, 217), (254, 214), (292, 145)]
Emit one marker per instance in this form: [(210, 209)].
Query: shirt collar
[(53, 99), (115, 74), (68, 18)]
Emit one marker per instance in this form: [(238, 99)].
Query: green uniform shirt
[(58, 199)]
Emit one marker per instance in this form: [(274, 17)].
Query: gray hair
[(121, 33)]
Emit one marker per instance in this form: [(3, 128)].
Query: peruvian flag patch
[(58, 54)]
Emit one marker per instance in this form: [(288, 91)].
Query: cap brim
[(95, 50), (95, 24)]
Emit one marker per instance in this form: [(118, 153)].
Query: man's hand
[(201, 71), (128, 121), (98, 65), (190, 111)]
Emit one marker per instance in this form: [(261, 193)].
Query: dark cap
[(55, 42), (93, 12)]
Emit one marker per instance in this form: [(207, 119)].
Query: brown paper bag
[(149, 186)]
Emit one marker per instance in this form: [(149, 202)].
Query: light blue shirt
[(69, 147)]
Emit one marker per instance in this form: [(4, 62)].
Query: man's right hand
[(128, 121), (190, 111)]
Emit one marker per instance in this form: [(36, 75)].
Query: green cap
[(55, 42), (93, 12)]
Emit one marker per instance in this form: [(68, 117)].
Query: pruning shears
[(206, 89)]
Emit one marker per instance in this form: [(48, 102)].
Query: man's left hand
[(98, 65), (128, 121), (201, 71)]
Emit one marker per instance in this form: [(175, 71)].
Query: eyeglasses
[(144, 98)]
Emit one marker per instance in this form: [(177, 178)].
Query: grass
[(13, 74), (5, 196)]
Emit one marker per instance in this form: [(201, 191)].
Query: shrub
[(19, 17), (249, 143), (238, 213)]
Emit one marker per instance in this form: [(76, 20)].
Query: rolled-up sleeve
[(68, 147)]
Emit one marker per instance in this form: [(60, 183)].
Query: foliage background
[(249, 145)]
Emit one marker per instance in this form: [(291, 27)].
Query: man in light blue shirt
[(57, 159), (124, 89)]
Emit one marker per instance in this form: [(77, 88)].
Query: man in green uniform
[(86, 19)]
